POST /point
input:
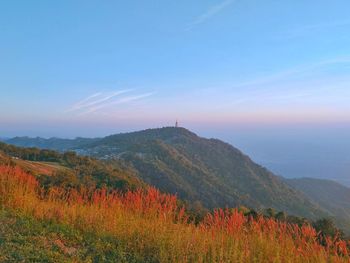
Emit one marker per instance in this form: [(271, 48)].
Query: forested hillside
[(202, 170), (331, 196)]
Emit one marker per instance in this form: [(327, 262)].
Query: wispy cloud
[(82, 102), (303, 82), (95, 99), (293, 72), (305, 30), (258, 97), (119, 101), (212, 11)]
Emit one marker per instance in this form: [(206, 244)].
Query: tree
[(327, 228)]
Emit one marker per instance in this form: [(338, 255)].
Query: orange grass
[(152, 225)]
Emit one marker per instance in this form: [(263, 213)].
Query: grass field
[(144, 226)]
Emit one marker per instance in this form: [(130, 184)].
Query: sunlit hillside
[(148, 226)]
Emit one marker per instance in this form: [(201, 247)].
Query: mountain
[(202, 171), (331, 196), (51, 143)]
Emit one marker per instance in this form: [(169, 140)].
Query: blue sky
[(91, 68)]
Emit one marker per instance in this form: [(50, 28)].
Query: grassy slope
[(47, 168), (25, 239), (53, 168), (146, 224)]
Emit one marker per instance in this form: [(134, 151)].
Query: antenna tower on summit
[(176, 124)]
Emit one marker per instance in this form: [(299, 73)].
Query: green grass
[(24, 239)]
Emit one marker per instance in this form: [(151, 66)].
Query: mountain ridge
[(53, 143), (200, 170)]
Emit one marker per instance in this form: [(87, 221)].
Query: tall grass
[(152, 225)]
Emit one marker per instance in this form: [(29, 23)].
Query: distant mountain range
[(57, 144), (208, 171)]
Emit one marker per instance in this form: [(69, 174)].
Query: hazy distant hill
[(330, 195), (51, 143)]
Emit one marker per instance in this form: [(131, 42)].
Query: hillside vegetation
[(143, 226), (331, 196), (70, 170), (208, 171)]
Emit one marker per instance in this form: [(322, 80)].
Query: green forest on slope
[(206, 171)]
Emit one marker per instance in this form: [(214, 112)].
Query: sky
[(90, 68)]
